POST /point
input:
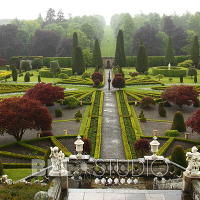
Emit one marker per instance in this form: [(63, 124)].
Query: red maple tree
[(142, 147), (46, 93), (97, 75), (180, 95), (19, 114), (194, 122)]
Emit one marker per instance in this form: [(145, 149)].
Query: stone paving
[(112, 145), (120, 194)]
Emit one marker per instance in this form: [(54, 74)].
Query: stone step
[(123, 194)]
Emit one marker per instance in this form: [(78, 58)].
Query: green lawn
[(108, 43), (17, 174)]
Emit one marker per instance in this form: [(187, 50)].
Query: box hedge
[(154, 60), (63, 61), (173, 72), (45, 72)]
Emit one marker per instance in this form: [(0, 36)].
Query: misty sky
[(30, 9)]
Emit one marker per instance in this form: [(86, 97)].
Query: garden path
[(112, 145)]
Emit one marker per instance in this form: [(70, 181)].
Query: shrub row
[(8, 88), (5, 74), (154, 60), (45, 72), (173, 72)]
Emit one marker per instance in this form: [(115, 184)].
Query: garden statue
[(169, 66), (57, 160), (193, 159), (5, 180)]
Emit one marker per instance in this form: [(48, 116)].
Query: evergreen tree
[(195, 79), (27, 77), (97, 59), (39, 78), (14, 74), (178, 122), (169, 56), (60, 16), (74, 45), (78, 61), (120, 58), (161, 110), (178, 156), (195, 51), (142, 59)]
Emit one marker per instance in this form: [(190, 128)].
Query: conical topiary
[(161, 110), (178, 156), (178, 122)]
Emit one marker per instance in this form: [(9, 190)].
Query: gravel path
[(112, 146)]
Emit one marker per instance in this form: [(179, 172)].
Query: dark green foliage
[(178, 122), (172, 133), (1, 168), (54, 68), (78, 62), (181, 79), (27, 77), (39, 78), (178, 156), (46, 156), (63, 76), (195, 79), (120, 59), (169, 56), (71, 102), (195, 51), (25, 65), (97, 59), (142, 59), (37, 63), (192, 71), (74, 46), (58, 113), (87, 146), (161, 110), (14, 74), (63, 61), (78, 115), (174, 72), (142, 117)]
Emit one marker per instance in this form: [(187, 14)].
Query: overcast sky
[(30, 9)]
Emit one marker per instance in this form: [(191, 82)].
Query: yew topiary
[(178, 156), (178, 122)]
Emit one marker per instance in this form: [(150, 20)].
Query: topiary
[(39, 78), (78, 115), (178, 156), (27, 77), (1, 168), (58, 113), (161, 110), (178, 122), (192, 71), (172, 133), (181, 79), (142, 117), (63, 76), (71, 102), (25, 65), (195, 79)]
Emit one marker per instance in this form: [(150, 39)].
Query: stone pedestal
[(187, 181)]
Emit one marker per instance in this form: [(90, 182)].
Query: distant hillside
[(5, 21)]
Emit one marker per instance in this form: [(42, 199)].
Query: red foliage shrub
[(97, 75), (46, 93), (180, 95), (20, 114), (194, 122), (142, 147), (87, 146), (118, 81), (97, 82), (146, 102)]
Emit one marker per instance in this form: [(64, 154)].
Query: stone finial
[(193, 159)]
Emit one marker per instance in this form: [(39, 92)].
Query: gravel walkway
[(112, 145)]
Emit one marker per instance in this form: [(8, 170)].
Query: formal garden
[(49, 101)]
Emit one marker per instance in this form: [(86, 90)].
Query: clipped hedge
[(45, 72), (173, 72), (154, 60), (63, 61)]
